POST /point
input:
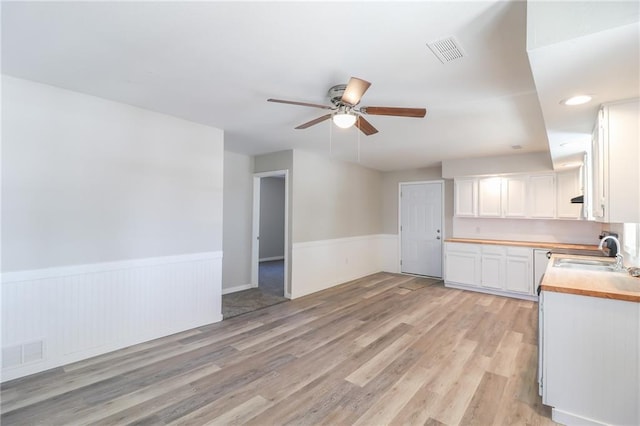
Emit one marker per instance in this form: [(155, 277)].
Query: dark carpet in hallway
[(271, 279), (270, 292)]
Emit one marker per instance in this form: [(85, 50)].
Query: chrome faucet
[(619, 259)]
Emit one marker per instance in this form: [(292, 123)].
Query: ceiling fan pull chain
[(358, 144), (330, 138)]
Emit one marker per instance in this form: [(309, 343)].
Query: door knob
[(438, 237)]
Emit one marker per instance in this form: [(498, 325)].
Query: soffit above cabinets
[(581, 48)]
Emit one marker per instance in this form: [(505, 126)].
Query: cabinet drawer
[(464, 247), (519, 251), (490, 249)]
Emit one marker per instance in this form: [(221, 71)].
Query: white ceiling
[(587, 47), (216, 63)]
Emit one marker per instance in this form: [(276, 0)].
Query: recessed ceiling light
[(576, 100)]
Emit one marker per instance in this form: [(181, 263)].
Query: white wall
[(335, 220), (272, 200), (337, 223), (86, 180), (561, 231), (112, 225), (238, 202), (516, 163), (334, 199), (318, 265), (390, 181), (276, 161), (629, 236)]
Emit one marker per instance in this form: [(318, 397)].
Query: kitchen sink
[(588, 264)]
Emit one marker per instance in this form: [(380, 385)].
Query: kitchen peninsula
[(590, 345)]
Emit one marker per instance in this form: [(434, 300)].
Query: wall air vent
[(447, 49), (14, 356)]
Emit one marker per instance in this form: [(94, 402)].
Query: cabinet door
[(622, 156), (466, 197), (597, 171), (514, 196), (462, 263), (567, 187), (519, 273), (490, 197), (493, 267), (542, 190)]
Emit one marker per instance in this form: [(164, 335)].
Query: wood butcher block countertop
[(532, 244), (608, 285)]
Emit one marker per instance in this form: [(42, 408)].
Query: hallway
[(270, 291)]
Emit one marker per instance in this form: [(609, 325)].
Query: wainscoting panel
[(317, 265), (389, 252), (52, 317)]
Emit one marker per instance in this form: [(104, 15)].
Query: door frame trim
[(442, 188), (255, 227)]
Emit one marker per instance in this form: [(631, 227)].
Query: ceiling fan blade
[(398, 112), (307, 104), (365, 127), (315, 121), (354, 91)]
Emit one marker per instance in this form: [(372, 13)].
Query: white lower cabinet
[(590, 359), (462, 263), (490, 268), (519, 270), (493, 267)]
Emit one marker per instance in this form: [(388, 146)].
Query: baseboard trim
[(490, 291), (566, 418), (269, 259), (237, 288)]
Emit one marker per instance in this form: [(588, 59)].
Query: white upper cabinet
[(536, 196), (616, 163), (542, 193), (490, 197), (466, 194), (514, 196), (568, 186)]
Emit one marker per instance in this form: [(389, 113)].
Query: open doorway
[(270, 247), (270, 239)]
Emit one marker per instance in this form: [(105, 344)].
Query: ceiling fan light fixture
[(344, 120)]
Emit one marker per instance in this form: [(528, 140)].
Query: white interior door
[(421, 228)]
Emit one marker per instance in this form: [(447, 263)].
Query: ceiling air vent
[(446, 49)]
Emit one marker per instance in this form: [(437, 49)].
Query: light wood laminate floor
[(384, 349)]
